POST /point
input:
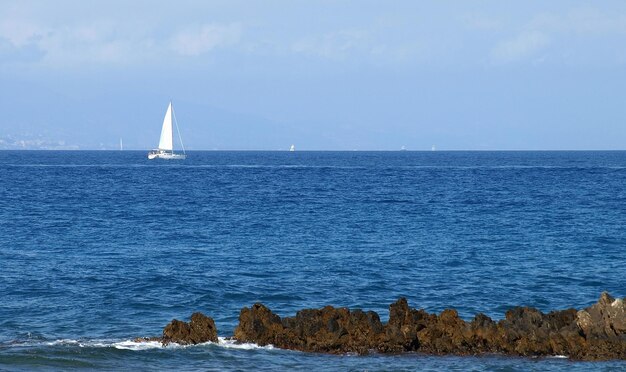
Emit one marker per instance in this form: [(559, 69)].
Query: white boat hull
[(166, 155)]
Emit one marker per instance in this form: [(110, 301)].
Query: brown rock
[(482, 334), (603, 327), (258, 324), (200, 329), (594, 333), (404, 323), (331, 330), (606, 318)]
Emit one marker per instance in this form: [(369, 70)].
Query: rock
[(259, 325), (200, 329), (597, 332), (401, 330), (331, 330), (483, 334), (603, 327), (606, 318), (455, 334)]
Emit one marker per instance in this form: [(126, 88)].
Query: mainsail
[(166, 142)]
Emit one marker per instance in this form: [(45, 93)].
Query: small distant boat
[(121, 145), (433, 148), (292, 148), (403, 148), (166, 142)]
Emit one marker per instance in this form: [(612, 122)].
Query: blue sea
[(100, 247)]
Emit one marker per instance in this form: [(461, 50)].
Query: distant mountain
[(9, 142)]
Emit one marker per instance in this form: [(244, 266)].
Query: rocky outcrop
[(200, 329), (595, 333), (603, 326), (331, 330), (598, 332), (606, 318)]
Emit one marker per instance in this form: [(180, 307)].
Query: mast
[(180, 138)]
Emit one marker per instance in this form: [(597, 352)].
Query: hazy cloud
[(12, 53), (333, 45), (194, 41), (564, 33), (106, 41), (523, 45), (20, 32), (478, 21), (72, 44), (586, 21)]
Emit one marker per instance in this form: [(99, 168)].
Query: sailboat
[(166, 142), (292, 148)]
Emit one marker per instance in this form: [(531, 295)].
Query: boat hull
[(166, 155)]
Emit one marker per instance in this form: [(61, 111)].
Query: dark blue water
[(97, 248)]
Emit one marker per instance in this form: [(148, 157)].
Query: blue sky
[(323, 75)]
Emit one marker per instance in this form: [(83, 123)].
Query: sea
[(100, 247)]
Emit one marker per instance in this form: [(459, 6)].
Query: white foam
[(224, 342), (232, 344), (221, 342), (142, 345), (62, 341)]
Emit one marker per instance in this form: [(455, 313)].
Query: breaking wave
[(128, 344)]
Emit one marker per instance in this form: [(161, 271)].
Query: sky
[(322, 75)]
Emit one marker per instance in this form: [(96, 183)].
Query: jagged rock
[(446, 334), (606, 318), (332, 330), (404, 323), (603, 326), (598, 332), (200, 329), (259, 325), (483, 334)]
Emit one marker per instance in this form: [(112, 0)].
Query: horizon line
[(327, 150)]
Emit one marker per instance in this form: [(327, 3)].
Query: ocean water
[(97, 248)]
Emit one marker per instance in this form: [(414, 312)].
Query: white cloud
[(19, 32), (198, 40), (524, 45), (587, 21), (105, 41), (96, 44), (563, 33), (75, 44), (375, 46), (52, 36), (333, 45), (478, 21)]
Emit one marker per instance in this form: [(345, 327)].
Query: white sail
[(166, 142)]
